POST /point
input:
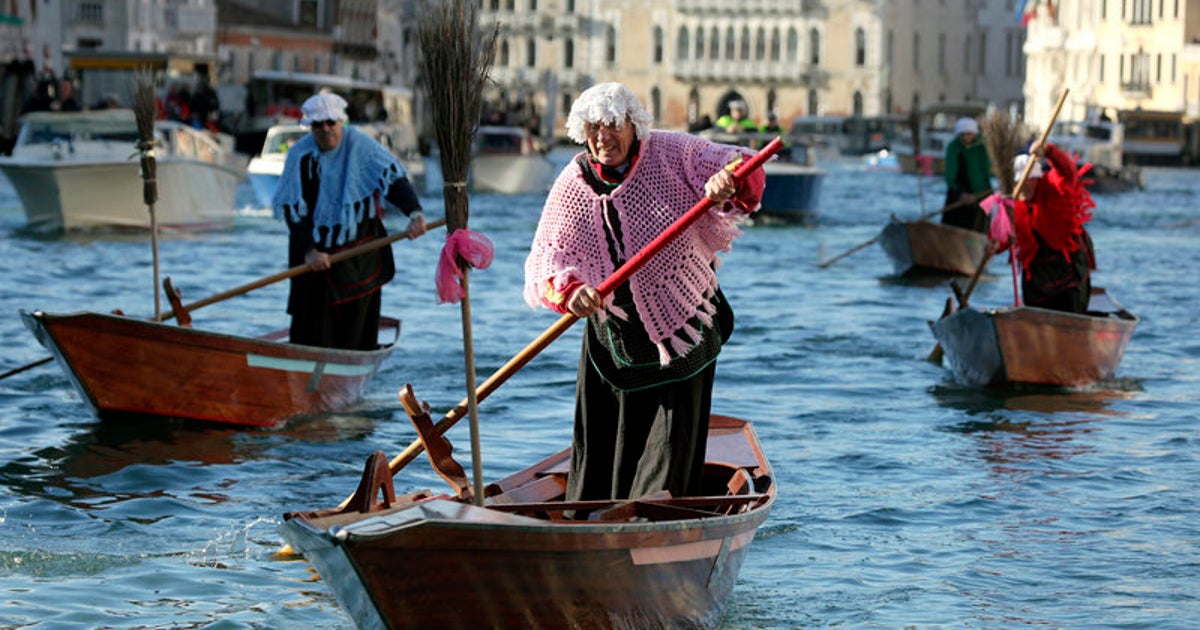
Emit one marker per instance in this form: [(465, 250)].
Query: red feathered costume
[(1053, 246)]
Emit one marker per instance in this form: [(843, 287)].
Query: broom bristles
[(1004, 138), (456, 59), (145, 107)]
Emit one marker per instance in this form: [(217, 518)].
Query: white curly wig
[(607, 103)]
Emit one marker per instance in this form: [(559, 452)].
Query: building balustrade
[(753, 8), (1140, 89)]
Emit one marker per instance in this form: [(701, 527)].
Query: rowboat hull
[(1027, 345), (129, 367), (929, 247), (437, 562)]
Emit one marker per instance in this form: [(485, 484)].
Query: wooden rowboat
[(928, 247), (1036, 346), (130, 367), (424, 561)]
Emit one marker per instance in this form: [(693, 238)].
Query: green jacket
[(978, 166)]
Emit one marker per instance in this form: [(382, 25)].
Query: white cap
[(1019, 164), (965, 125), (324, 106), (607, 103)]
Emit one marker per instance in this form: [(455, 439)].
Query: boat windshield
[(46, 130)]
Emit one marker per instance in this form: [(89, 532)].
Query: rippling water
[(905, 500)]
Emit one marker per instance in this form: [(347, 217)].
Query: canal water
[(905, 499)]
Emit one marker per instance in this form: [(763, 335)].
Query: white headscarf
[(965, 125), (323, 106), (607, 103), (1019, 164)]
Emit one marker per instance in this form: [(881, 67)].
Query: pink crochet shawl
[(665, 182)]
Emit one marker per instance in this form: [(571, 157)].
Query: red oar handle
[(684, 222)]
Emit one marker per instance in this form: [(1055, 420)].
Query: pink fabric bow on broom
[(473, 248), (1001, 231)]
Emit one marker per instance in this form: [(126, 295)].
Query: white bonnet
[(323, 106), (965, 125), (1019, 164), (607, 103)]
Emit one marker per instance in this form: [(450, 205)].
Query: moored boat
[(1101, 144), (935, 134), (507, 160), (266, 167), (1024, 345), (925, 247), (123, 366), (72, 170), (426, 560), (793, 187)]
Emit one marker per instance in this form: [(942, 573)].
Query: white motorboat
[(266, 167), (508, 160), (79, 170)]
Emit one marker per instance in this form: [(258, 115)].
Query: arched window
[(656, 103), (860, 47), (858, 103), (793, 45), (760, 45), (531, 53), (658, 44), (745, 47), (610, 45), (812, 103), (682, 44), (714, 44), (774, 44), (569, 52), (730, 44), (814, 47), (699, 43), (503, 54)]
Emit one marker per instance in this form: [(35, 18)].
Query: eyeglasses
[(317, 124)]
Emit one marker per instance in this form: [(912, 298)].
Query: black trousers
[(629, 444), (352, 325)]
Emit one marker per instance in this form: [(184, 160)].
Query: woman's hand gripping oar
[(543, 340), (257, 284)]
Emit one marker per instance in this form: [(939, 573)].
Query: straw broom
[(1004, 138), (146, 110), (456, 58)]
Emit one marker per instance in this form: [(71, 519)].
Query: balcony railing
[(779, 8)]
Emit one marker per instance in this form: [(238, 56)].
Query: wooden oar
[(258, 284), (936, 355), (530, 351), (301, 269)]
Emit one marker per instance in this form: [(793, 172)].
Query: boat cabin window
[(498, 143), (77, 131)]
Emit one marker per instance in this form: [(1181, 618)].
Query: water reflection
[(1094, 399), (1016, 427), (138, 458)]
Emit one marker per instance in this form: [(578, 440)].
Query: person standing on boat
[(968, 173), (331, 195), (737, 120), (1052, 243), (644, 385)]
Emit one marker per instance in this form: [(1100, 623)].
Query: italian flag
[(1026, 11)]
